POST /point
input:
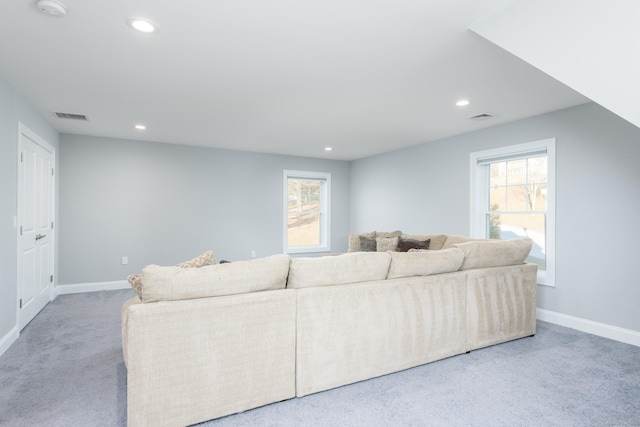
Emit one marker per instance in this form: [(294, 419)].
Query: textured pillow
[(384, 244), (174, 283), (494, 253), (207, 258), (436, 240), (367, 244), (135, 280), (424, 263), (337, 270), (388, 234), (354, 240), (405, 244)]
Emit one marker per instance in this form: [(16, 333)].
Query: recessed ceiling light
[(462, 103), (143, 25), (140, 127), (328, 148)]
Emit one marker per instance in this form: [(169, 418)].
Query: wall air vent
[(71, 116), (481, 117)]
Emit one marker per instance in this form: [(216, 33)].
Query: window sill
[(307, 249)]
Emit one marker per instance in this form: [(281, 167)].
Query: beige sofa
[(212, 341)]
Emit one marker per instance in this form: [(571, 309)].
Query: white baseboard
[(90, 287), (8, 339), (627, 336)]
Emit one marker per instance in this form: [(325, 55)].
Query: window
[(513, 195), (306, 211)]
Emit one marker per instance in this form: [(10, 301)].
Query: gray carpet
[(66, 369)]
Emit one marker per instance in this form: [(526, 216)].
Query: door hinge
[(52, 225), (20, 302), (51, 278), (21, 230), (22, 157), (51, 171)]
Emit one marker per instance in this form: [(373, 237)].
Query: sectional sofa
[(202, 343)]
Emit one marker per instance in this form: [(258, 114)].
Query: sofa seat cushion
[(494, 253), (175, 283), (424, 263), (351, 267)]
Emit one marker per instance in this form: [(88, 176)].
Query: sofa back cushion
[(338, 270), (174, 283), (494, 253), (453, 239), (424, 263), (207, 258)]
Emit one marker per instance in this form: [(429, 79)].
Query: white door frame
[(25, 132)]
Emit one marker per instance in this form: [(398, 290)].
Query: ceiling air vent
[(71, 116), (481, 117)]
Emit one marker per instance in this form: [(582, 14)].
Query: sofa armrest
[(124, 314), (501, 304)]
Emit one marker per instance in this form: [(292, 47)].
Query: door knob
[(40, 236)]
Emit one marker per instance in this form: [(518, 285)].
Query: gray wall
[(163, 204), (13, 108), (427, 189)]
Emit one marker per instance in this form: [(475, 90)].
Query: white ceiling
[(273, 76)]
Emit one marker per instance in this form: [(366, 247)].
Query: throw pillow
[(354, 240), (405, 244), (207, 258), (384, 244), (135, 281), (367, 244), (436, 240)]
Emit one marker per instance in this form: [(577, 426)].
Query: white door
[(35, 224)]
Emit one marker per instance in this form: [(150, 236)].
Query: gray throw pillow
[(367, 245), (405, 244)]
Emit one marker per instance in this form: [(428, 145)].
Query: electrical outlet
[(125, 260), (253, 254)]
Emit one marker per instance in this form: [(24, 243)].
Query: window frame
[(325, 211), (480, 193)]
